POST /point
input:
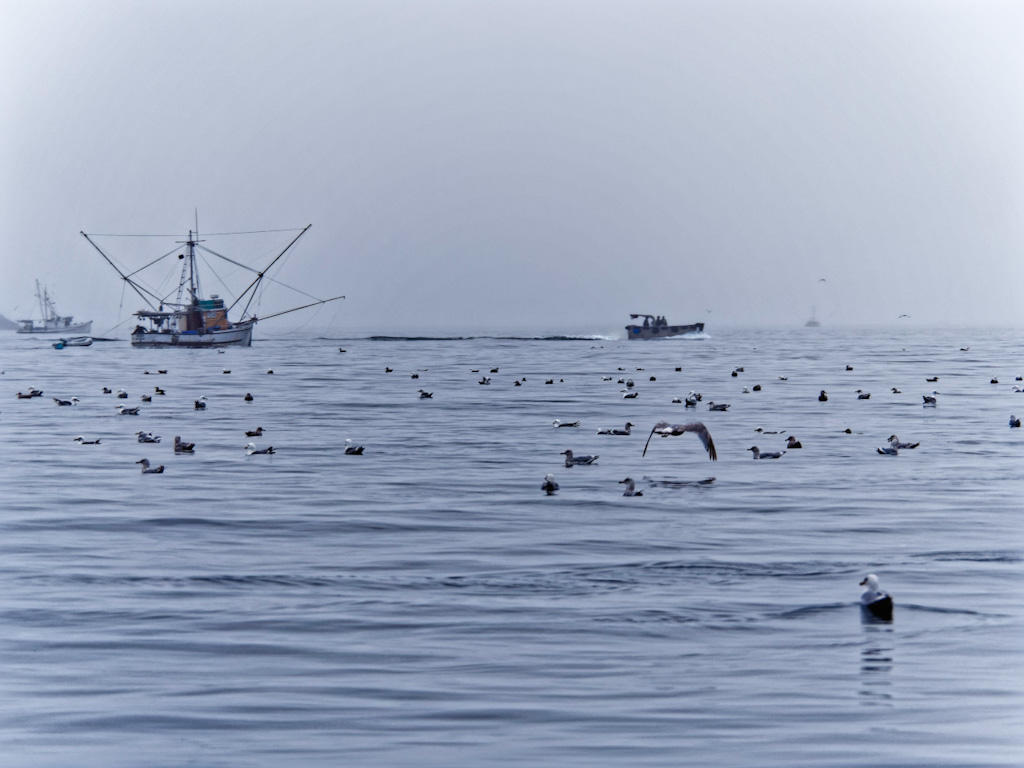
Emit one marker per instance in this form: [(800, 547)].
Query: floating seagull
[(768, 455), (570, 460), (606, 378), (484, 380), (82, 441), (254, 432), (558, 423), (122, 394), (874, 601), (862, 395), (387, 370), (146, 398), (158, 391), (72, 401), (182, 447), (125, 411), (712, 406), (494, 370), (692, 399), (994, 381), (631, 396), (896, 391), (665, 430), (147, 470), (164, 371), (895, 443), (757, 387), (783, 378), (351, 449), (424, 394), (549, 486), (933, 378), (200, 403), (226, 371), (929, 400), (887, 451), (1014, 421), (793, 443), (414, 376), (549, 381), (849, 367), (823, 397), (107, 391), (630, 384), (769, 432), (678, 483), (605, 431), (630, 488), (745, 391), (252, 450), (517, 383), (147, 437), (248, 397)]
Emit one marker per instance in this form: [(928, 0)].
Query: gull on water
[(862, 395), (823, 397), (875, 602), (1014, 421), (82, 441), (424, 394), (158, 391), (766, 455), (147, 437), (793, 443), (929, 400), (549, 486), (126, 411), (351, 449), (248, 397), (72, 401), (665, 429), (896, 391), (894, 442), (182, 447), (200, 404), (559, 423), (888, 451), (148, 470), (146, 398), (484, 380), (122, 394), (254, 432), (606, 431), (631, 396), (570, 460), (630, 488), (107, 391), (252, 450), (713, 406)]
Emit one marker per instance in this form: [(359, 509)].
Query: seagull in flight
[(665, 429)]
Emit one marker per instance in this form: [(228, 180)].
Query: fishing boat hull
[(661, 331), (78, 329), (237, 335)]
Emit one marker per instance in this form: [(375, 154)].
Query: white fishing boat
[(657, 327), (52, 321), (189, 320)]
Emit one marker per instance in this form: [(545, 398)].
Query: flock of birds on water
[(875, 603)]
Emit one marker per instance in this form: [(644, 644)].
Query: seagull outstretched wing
[(666, 429)]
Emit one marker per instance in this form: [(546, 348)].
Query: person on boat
[(647, 322)]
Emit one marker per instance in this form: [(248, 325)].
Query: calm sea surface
[(425, 604)]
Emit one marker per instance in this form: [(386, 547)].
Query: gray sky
[(528, 165)]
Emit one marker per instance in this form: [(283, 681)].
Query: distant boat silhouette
[(813, 322)]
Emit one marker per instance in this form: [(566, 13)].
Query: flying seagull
[(665, 429)]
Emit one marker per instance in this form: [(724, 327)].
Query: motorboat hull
[(52, 329), (661, 331)]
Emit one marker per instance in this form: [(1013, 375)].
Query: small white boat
[(74, 341)]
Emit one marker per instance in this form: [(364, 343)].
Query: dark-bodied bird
[(666, 429), (200, 404), (72, 401), (252, 450), (559, 423), (713, 406), (630, 488), (929, 400), (254, 432), (549, 486), (823, 397), (248, 397), (862, 395), (424, 394), (1014, 421), (571, 460), (182, 447), (793, 443), (147, 437), (874, 602), (351, 449), (82, 441)]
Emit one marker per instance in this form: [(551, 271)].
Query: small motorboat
[(73, 341)]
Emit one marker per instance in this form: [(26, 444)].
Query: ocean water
[(425, 604)]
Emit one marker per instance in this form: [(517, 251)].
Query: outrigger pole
[(277, 314), (260, 274), (124, 277)]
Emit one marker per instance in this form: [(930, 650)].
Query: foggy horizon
[(525, 167)]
